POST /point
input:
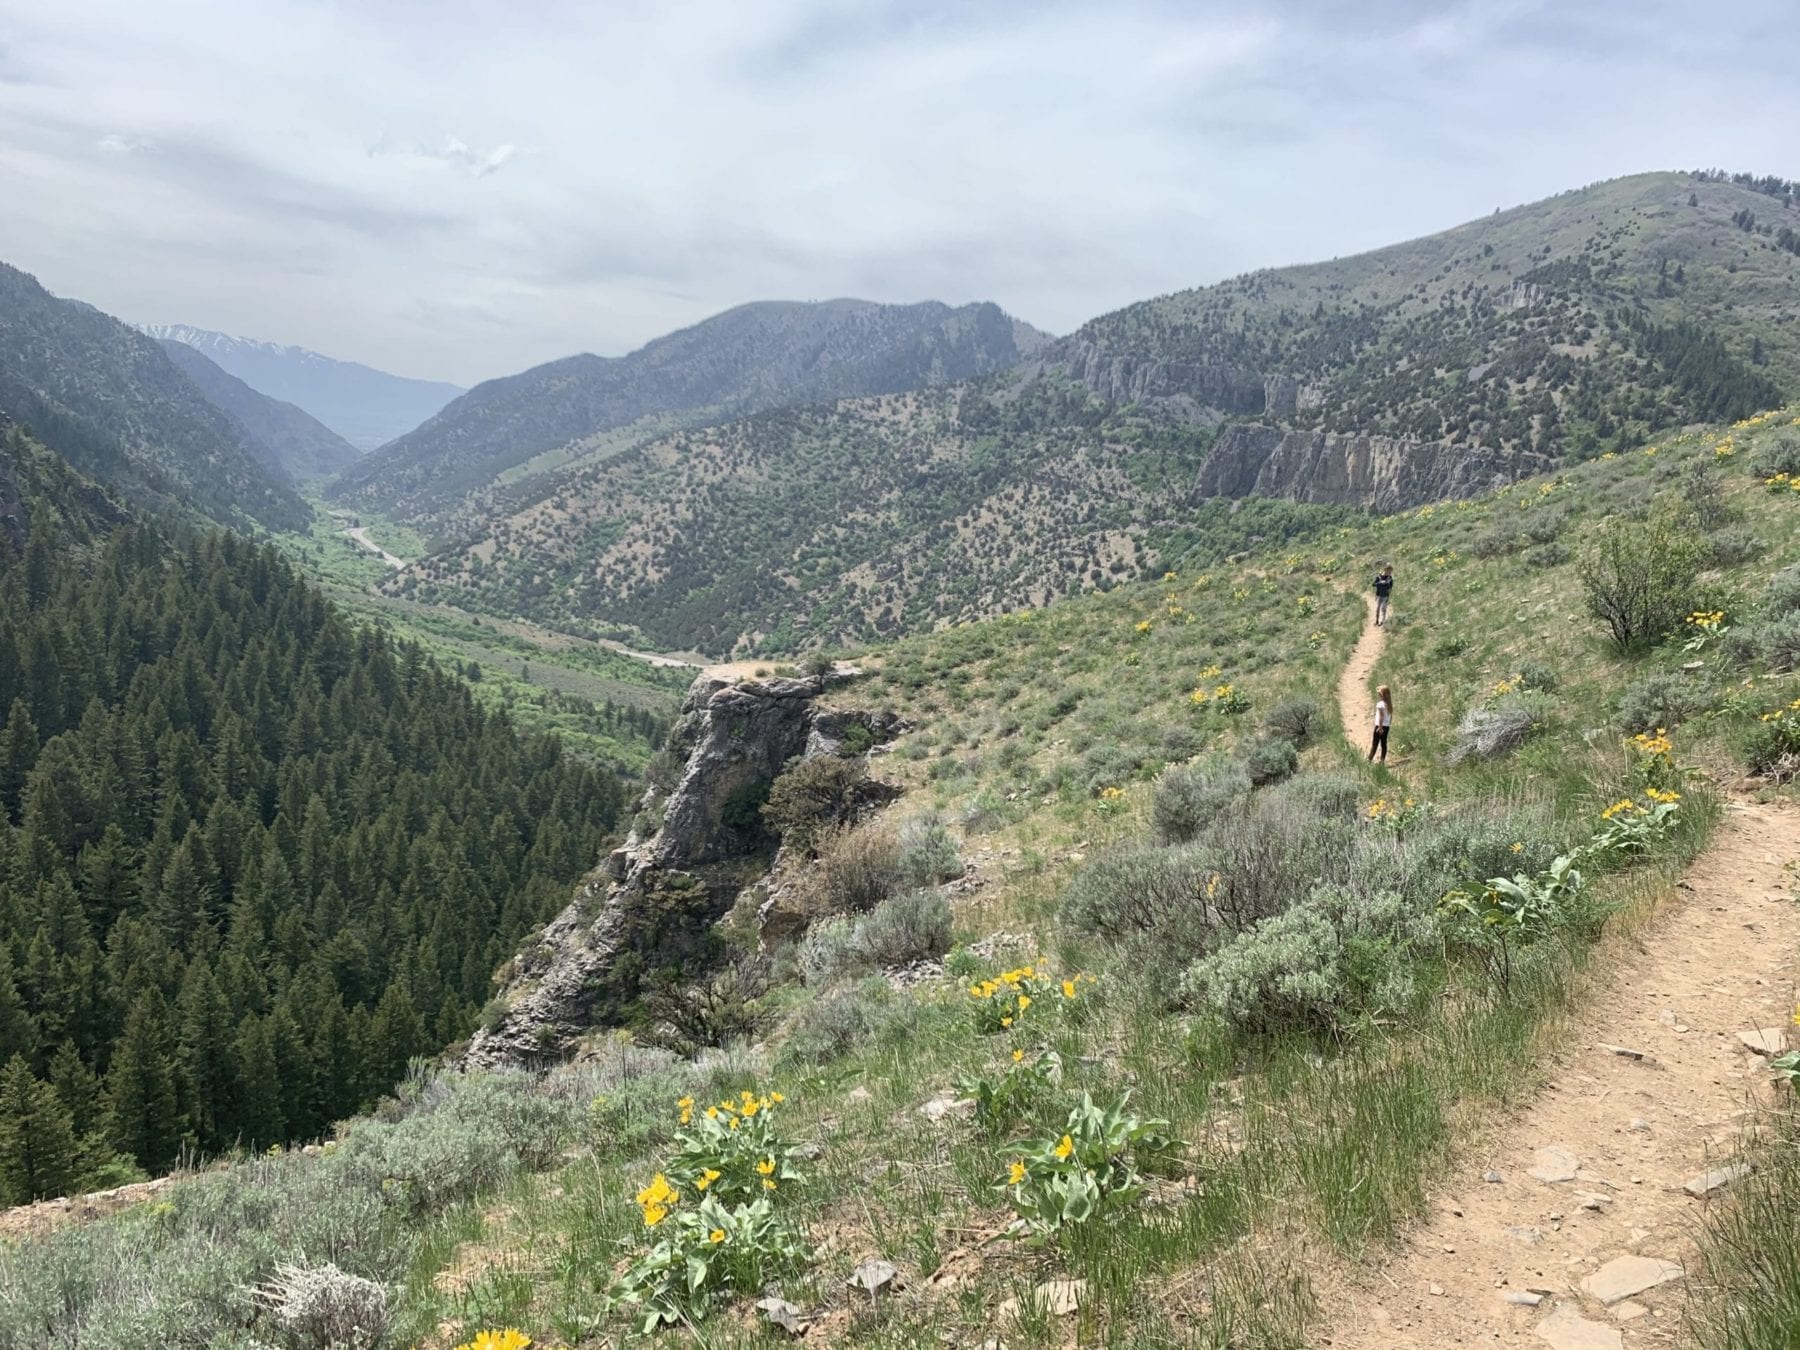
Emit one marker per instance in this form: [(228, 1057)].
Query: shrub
[(1473, 846), (1548, 555), (856, 869), (322, 1305), (1782, 595), (1271, 759), (1268, 856), (1778, 454), (908, 928), (927, 853), (827, 949), (1485, 732), (1450, 647), (1536, 675), (1778, 642), (715, 1009), (1111, 764), (1639, 576), (811, 796), (1662, 699), (742, 809), (1294, 719), (1497, 540), (1138, 888), (1190, 796), (845, 1018), (1732, 546), (1703, 492), (1335, 956), (1329, 796)]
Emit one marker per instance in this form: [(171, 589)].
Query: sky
[(459, 190)]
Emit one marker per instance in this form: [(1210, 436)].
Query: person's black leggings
[(1379, 743)]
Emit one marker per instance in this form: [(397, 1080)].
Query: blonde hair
[(1386, 695)]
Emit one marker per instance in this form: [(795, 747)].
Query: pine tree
[(38, 1153), (143, 1111), (259, 1085)]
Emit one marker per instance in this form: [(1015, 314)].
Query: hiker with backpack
[(1384, 583)]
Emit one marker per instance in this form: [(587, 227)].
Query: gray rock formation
[(1374, 471), (653, 903), (1122, 378)]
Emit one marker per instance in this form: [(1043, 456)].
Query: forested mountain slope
[(110, 401), (290, 441), (367, 407), (252, 859), (1442, 367), (756, 356)]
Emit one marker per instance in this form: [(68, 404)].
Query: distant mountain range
[(757, 356), (1432, 369), (366, 407), (292, 442), (108, 399)]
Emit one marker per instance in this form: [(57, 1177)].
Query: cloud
[(447, 190)]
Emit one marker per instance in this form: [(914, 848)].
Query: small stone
[(1623, 1051), (1530, 1236), (1595, 1201), (1437, 1291), (1639, 1125), (1523, 1298), (1492, 1178), (1448, 1247), (1624, 1276), (1716, 1180), (781, 1313), (944, 1106), (1059, 1298), (1566, 1329), (1628, 1311), (1553, 1164), (1767, 1042), (1666, 1016), (874, 1276)]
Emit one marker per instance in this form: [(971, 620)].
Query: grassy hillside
[(1300, 1058), (757, 356)]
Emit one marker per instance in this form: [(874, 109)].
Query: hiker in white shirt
[(1384, 721)]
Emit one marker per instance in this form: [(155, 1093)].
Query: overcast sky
[(459, 190)]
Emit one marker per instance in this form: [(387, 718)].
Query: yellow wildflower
[(1006, 1021), (1024, 1002), (706, 1178), (1068, 988), (1016, 1173), (511, 1338), (768, 1185), (1518, 846), (1066, 1147), (1018, 1055), (766, 1167), (717, 1235), (776, 1097)]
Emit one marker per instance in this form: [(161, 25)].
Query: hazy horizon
[(456, 193)]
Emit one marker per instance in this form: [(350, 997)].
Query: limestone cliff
[(1126, 378), (1380, 472), (653, 903)]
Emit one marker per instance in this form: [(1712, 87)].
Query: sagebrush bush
[(1486, 732), (1553, 554), (1270, 759), (927, 854), (1330, 796), (1138, 888), (856, 869), (1473, 845), (1189, 797), (1497, 540), (1536, 675), (826, 950), (1782, 593), (1732, 546), (1662, 699), (323, 1306), (1296, 719), (1777, 454), (1335, 956), (845, 1018), (913, 927), (1778, 642)]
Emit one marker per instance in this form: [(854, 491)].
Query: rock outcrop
[(653, 903), (1379, 472), (1126, 378)]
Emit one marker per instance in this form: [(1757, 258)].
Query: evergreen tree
[(38, 1153), (143, 1110)]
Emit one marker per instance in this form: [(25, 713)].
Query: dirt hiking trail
[(1356, 705), (1571, 1224)]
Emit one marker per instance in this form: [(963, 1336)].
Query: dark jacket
[(1384, 584)]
